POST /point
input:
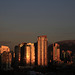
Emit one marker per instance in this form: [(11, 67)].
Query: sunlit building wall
[(56, 52), (5, 57), (4, 48), (30, 54), (42, 50), (25, 54)]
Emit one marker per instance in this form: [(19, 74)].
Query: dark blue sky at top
[(24, 20)]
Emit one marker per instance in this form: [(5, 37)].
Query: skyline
[(23, 21)]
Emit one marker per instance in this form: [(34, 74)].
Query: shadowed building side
[(20, 54), (5, 58)]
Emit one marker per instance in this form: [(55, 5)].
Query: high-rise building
[(68, 56), (30, 54), (6, 59), (25, 54), (20, 51), (42, 50), (4, 48), (56, 52)]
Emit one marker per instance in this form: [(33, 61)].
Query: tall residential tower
[(42, 50), (30, 54), (56, 52), (25, 54)]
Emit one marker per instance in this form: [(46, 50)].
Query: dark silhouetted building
[(6, 59)]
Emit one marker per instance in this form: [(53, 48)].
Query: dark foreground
[(51, 70)]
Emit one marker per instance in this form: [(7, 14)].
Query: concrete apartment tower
[(30, 54), (42, 50), (56, 52)]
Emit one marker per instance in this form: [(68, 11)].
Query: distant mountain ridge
[(64, 45), (70, 42), (67, 45)]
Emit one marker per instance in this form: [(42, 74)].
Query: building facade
[(5, 58), (20, 51), (42, 50), (56, 52), (4, 48), (25, 54), (30, 54)]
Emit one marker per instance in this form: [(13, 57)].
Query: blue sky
[(24, 20)]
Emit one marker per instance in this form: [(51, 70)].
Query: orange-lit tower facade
[(4, 48), (25, 54), (42, 50), (30, 54), (56, 52), (5, 57)]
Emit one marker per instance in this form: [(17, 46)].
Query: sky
[(24, 20)]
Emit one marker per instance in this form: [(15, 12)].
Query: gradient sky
[(24, 20)]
